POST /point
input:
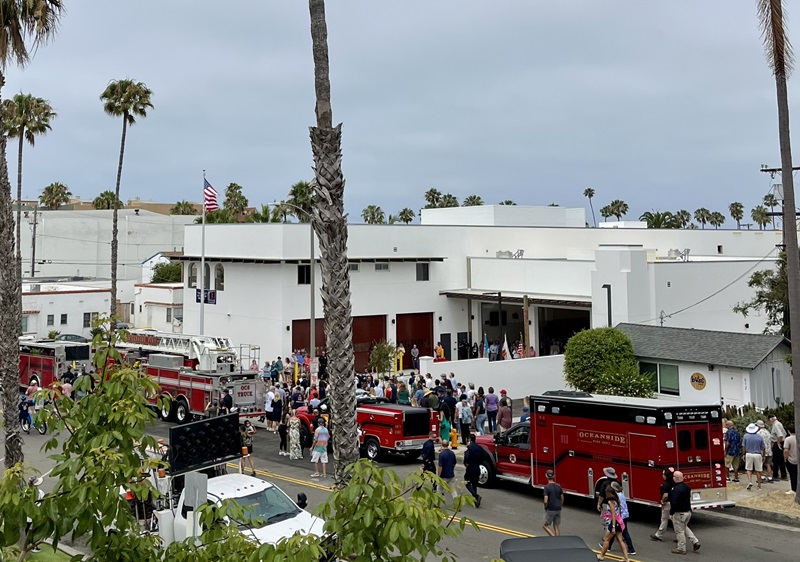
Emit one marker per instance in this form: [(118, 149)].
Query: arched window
[(219, 277), (192, 275), (207, 277)]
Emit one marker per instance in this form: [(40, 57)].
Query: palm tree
[(702, 215), (106, 201), (55, 195), (736, 211), (683, 217), (373, 214), (779, 57), (235, 201), (716, 219), (392, 219), (330, 224), (657, 219), (449, 200), (301, 196), (280, 212), (183, 208), (220, 216), (433, 198), (127, 99), (24, 26), (405, 215), (760, 216), (473, 201), (508, 202), (262, 215), (771, 201), (619, 208), (589, 193), (606, 212), (24, 117)]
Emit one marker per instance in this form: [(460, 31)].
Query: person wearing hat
[(504, 396), (763, 432), (754, 453), (553, 500), (609, 476), (526, 414)]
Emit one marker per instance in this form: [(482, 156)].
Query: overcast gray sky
[(666, 105)]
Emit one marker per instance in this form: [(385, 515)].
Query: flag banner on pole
[(521, 350), (506, 351), (485, 346), (209, 197)]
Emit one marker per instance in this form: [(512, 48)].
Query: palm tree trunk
[(10, 312), (330, 224), (790, 233), (594, 218), (114, 224), (19, 198)]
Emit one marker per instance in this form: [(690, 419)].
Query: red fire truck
[(46, 361), (194, 370), (578, 435)]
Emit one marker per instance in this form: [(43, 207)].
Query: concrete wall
[(519, 377), (74, 303), (505, 215)]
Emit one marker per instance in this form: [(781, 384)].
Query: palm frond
[(24, 26), (777, 48)]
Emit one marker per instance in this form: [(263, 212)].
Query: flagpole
[(203, 264)]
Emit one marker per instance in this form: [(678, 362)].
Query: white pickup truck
[(263, 500)]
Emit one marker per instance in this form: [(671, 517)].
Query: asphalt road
[(512, 510)]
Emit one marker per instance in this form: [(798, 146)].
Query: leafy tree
[(127, 99), (183, 207), (381, 357), (702, 216), (760, 216), (589, 194), (657, 219), (590, 353), (167, 272), (23, 26), (619, 208), (683, 217), (55, 195), (235, 201), (433, 198), (449, 200), (771, 297), (771, 201), (373, 214), (606, 212), (473, 201), (625, 380), (301, 195), (508, 202), (106, 200), (716, 219), (405, 215), (24, 117)]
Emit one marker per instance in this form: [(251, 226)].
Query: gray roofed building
[(724, 349)]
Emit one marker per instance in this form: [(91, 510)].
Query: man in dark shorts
[(227, 402), (553, 500)]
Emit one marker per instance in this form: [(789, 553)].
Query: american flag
[(209, 197)]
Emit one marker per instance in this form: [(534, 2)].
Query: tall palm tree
[(657, 219), (589, 193), (702, 215), (235, 201), (606, 212), (405, 215), (736, 211), (433, 198), (25, 117), (779, 57), (683, 217), (23, 26), (280, 212), (106, 201), (619, 208), (473, 201), (716, 219), (127, 99), (760, 216), (330, 225), (183, 207), (771, 201), (508, 202), (449, 200), (373, 214), (55, 195), (301, 195)]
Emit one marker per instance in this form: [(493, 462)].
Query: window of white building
[(664, 376), (304, 274), (423, 272), (63, 319), (192, 276), (381, 267), (51, 319), (219, 277)]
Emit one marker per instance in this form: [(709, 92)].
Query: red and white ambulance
[(577, 435)]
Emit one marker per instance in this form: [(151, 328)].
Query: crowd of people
[(769, 454)]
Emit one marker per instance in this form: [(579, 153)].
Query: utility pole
[(33, 241)]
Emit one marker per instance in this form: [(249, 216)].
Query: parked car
[(72, 337), (564, 549)]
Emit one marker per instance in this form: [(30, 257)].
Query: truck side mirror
[(498, 439)]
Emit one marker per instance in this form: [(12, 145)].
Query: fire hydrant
[(453, 438)]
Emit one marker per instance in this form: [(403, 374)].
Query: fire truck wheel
[(372, 448), (487, 474), (305, 437), (182, 412), (167, 413)]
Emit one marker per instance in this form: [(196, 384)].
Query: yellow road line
[(286, 478)]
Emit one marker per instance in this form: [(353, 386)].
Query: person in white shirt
[(453, 382)]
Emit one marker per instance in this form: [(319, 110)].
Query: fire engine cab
[(195, 370), (46, 361), (578, 434)]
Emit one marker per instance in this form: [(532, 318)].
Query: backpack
[(466, 415)]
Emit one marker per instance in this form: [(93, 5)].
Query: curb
[(67, 549), (761, 515)]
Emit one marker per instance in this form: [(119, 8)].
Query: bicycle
[(26, 419)]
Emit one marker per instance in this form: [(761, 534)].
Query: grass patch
[(48, 555)]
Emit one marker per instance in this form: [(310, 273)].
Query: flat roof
[(583, 301)]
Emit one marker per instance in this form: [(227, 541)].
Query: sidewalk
[(770, 503)]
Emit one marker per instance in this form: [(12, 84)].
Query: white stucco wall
[(505, 215), (151, 303), (74, 303)]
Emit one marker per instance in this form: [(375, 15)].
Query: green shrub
[(382, 356), (625, 380), (784, 413), (591, 353)]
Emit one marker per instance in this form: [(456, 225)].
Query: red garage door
[(300, 335), (417, 329), (367, 330)]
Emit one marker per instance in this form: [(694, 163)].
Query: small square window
[(353, 267), (303, 274), (169, 314), (423, 272), (63, 319), (51, 319), (87, 319), (381, 267)]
